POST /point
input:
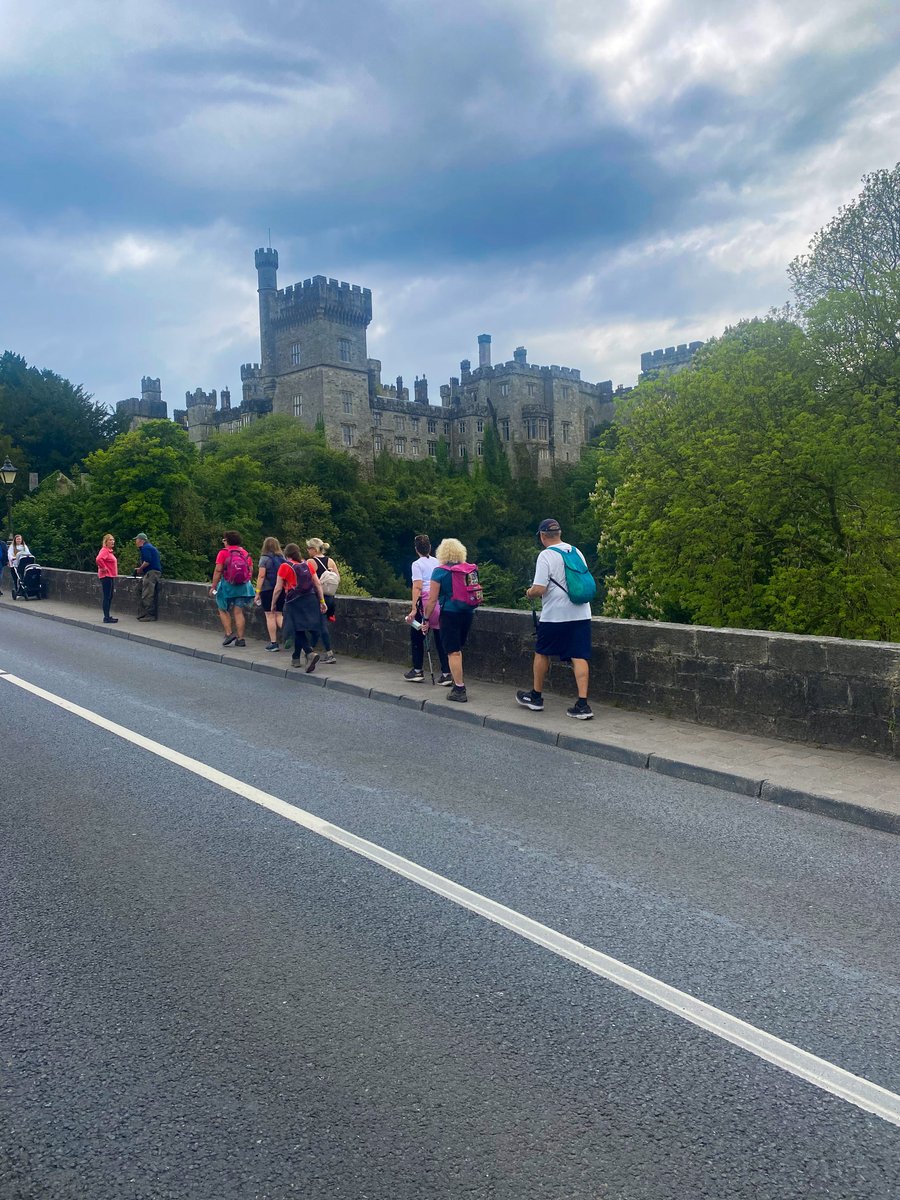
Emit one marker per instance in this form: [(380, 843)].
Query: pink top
[(107, 564)]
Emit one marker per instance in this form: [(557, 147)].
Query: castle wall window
[(400, 445), (414, 421), (461, 427), (479, 449), (344, 348), (295, 354), (399, 423), (297, 406), (376, 419), (245, 420), (432, 449), (347, 432), (504, 430), (504, 389), (463, 452), (347, 399), (414, 447), (432, 426), (532, 389), (566, 392), (447, 428), (566, 433), (379, 443), (536, 427)]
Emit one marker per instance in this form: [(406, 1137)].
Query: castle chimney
[(520, 354), (484, 349), (226, 399), (421, 390)]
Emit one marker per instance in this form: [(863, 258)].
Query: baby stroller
[(28, 582)]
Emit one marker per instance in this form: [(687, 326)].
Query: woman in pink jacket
[(107, 569)]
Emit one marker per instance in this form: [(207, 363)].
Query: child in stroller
[(27, 579)]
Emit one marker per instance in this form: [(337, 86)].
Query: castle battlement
[(250, 371), (670, 359), (347, 303), (199, 397)]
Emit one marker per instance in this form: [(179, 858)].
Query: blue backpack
[(581, 587)]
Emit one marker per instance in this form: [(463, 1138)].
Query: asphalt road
[(198, 998)]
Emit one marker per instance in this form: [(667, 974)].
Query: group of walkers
[(296, 593), (445, 594)]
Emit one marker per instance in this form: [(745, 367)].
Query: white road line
[(818, 1071)]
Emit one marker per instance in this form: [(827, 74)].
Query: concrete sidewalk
[(860, 788)]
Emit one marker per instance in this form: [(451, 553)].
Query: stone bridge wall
[(826, 691)]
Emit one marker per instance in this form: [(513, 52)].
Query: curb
[(742, 785)]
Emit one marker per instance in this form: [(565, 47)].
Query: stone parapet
[(824, 691)]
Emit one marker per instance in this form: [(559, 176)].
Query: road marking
[(817, 1071)]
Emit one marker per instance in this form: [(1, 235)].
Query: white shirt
[(422, 569), (16, 552), (550, 572)]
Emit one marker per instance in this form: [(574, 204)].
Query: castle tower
[(267, 275), (201, 415), (484, 349)]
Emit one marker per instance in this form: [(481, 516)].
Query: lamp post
[(8, 474)]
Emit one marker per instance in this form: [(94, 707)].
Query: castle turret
[(267, 275)]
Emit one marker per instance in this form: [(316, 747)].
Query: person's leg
[(441, 652), (417, 648), (239, 621), (225, 618), (106, 585), (325, 634), (582, 669), (456, 668), (272, 625), (539, 671)]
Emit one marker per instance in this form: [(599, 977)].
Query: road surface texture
[(201, 998)]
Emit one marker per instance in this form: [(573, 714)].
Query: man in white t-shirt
[(564, 630)]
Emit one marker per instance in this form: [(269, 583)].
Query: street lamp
[(8, 474)]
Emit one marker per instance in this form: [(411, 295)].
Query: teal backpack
[(580, 583)]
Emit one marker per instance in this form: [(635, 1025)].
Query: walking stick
[(428, 652)]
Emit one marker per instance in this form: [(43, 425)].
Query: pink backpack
[(466, 588)]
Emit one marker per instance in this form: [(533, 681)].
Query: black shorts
[(454, 630), (265, 599), (564, 639)]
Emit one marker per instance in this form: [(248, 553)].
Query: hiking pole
[(430, 663)]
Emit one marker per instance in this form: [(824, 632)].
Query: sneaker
[(329, 660), (414, 676), (458, 693), (240, 642), (581, 711), (106, 620), (530, 700), (225, 642), (273, 646), (446, 679), (298, 661), (311, 660)]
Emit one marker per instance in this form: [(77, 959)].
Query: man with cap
[(149, 569), (564, 630)]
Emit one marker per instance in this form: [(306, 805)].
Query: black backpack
[(275, 561)]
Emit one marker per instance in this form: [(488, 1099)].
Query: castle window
[(347, 434), (479, 449), (415, 447), (463, 452), (414, 421), (295, 354), (432, 425), (532, 388), (461, 427), (379, 443), (504, 430), (504, 389), (376, 418), (344, 347), (347, 398), (432, 449), (447, 427), (400, 445), (245, 420), (399, 423), (566, 392), (567, 432), (479, 425), (536, 427), (297, 406)]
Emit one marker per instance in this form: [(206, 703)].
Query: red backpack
[(237, 566), (465, 586)]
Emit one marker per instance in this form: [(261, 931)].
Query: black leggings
[(108, 584)]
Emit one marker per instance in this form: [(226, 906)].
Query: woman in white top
[(421, 578), (17, 549)]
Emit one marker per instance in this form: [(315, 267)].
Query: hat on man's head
[(141, 537), (551, 525)]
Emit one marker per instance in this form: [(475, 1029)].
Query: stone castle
[(315, 367)]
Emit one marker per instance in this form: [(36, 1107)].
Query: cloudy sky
[(587, 178)]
